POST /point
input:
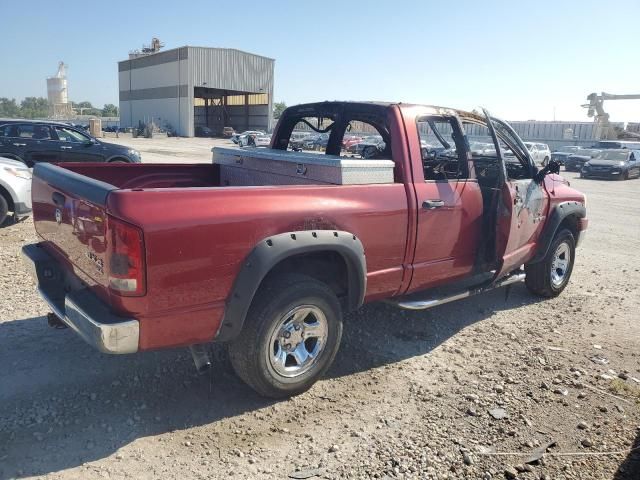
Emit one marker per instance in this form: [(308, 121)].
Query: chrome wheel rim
[(560, 264), (297, 341)]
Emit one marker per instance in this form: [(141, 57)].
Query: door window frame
[(460, 141), (521, 152)]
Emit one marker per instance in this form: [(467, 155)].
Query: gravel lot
[(411, 394)]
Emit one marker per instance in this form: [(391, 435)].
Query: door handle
[(431, 204), (58, 199), (19, 144), (65, 148)]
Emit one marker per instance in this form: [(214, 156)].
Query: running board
[(510, 279)]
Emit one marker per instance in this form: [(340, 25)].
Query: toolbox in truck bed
[(260, 166)]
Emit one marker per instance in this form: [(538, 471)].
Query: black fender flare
[(559, 214), (274, 249)]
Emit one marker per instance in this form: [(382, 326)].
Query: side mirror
[(551, 167)]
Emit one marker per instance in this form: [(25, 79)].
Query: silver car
[(15, 189)]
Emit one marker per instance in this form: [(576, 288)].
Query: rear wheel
[(290, 337), (549, 277), (4, 209), (545, 161)]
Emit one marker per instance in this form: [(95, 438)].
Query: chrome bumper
[(80, 309)]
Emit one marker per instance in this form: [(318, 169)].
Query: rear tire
[(549, 277), (545, 161), (290, 337), (4, 209)]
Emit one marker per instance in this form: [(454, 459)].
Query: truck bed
[(196, 233)]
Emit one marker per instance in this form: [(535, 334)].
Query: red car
[(182, 255), (350, 140)]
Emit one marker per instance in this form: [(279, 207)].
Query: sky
[(521, 60)]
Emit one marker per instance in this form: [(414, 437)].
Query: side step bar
[(510, 279)]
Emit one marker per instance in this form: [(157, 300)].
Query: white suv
[(539, 152), (15, 189)]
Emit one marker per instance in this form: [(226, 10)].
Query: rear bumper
[(80, 309)]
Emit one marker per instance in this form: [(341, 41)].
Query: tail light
[(125, 259)]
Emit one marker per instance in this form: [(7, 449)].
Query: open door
[(523, 202)]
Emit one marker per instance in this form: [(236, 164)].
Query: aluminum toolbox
[(265, 166)]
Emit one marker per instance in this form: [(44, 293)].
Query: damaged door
[(523, 202)]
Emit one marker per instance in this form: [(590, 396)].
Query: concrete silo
[(59, 106)]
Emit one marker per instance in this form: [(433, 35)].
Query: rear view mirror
[(551, 167)]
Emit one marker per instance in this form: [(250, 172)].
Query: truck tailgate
[(69, 213)]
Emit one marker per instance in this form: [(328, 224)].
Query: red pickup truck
[(146, 256)]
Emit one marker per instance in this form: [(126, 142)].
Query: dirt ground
[(409, 396)]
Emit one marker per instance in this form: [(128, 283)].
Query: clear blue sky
[(519, 59)]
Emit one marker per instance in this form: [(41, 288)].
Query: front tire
[(549, 277), (290, 337)]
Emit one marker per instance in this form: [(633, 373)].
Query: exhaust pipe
[(200, 358)]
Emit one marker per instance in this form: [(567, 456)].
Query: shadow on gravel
[(63, 404), (630, 468)]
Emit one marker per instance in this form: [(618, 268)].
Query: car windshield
[(586, 152), (612, 155)]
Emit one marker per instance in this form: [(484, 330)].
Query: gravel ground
[(468, 390)]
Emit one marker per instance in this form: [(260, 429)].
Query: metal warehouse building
[(186, 87)]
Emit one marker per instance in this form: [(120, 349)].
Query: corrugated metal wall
[(230, 69)]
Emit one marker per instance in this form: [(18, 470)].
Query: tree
[(9, 108), (83, 105), (110, 110), (278, 108), (34, 107)]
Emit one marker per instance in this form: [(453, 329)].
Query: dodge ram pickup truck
[(266, 249)]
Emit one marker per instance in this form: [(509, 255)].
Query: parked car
[(617, 144), (620, 164), (254, 140), (202, 131), (297, 139), (562, 153), (539, 152), (262, 140), (15, 189), (228, 132), (368, 147), (349, 140), (235, 138), (575, 161), (33, 142), (270, 269)]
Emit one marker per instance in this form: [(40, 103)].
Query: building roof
[(172, 52)]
